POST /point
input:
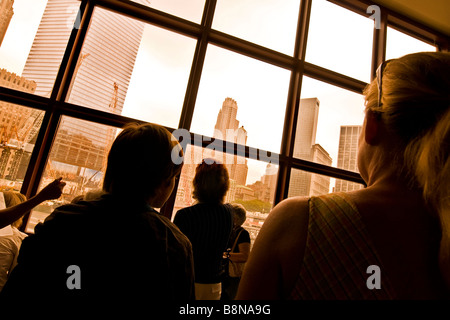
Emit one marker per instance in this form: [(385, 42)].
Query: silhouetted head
[(140, 162), (211, 182)]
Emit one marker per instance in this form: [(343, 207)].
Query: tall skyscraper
[(304, 183), (6, 13), (101, 77), (17, 129), (227, 128), (348, 156)]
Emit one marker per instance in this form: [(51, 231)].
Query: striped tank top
[(338, 254)]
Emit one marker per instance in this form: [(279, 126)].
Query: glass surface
[(252, 184), (307, 184), (78, 155), (324, 110), (340, 40), (129, 68), (19, 127), (398, 44), (33, 42), (270, 23), (241, 97), (191, 10)]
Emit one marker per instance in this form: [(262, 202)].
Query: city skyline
[(256, 85)]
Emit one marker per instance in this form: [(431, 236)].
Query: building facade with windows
[(348, 156)]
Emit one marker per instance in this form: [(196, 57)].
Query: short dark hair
[(140, 159), (240, 214), (211, 181)]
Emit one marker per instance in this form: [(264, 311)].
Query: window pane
[(324, 109), (133, 69), (78, 155), (252, 184), (340, 40), (237, 94), (398, 44), (270, 23), (19, 127), (191, 10), (34, 42), (303, 183)]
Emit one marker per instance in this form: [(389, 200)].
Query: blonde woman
[(10, 237), (391, 239)]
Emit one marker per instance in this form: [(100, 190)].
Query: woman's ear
[(372, 130)]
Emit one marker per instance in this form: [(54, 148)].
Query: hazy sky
[(339, 40)]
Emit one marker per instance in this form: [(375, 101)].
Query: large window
[(35, 38), (253, 92), (74, 72), (132, 69), (340, 40)]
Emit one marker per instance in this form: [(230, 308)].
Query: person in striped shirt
[(208, 225)]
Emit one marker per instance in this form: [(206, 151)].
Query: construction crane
[(75, 72), (113, 103), (109, 132), (6, 138)]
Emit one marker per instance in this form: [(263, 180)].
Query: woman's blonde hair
[(415, 108), (12, 199)]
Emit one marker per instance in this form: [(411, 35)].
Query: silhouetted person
[(390, 240), (208, 224), (239, 245), (115, 250)]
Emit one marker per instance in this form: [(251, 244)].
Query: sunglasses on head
[(379, 74)]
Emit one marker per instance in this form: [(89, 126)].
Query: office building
[(304, 183), (227, 128), (17, 128), (100, 80), (348, 156), (6, 13)]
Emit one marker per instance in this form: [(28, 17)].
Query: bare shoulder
[(286, 218), (279, 248)]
